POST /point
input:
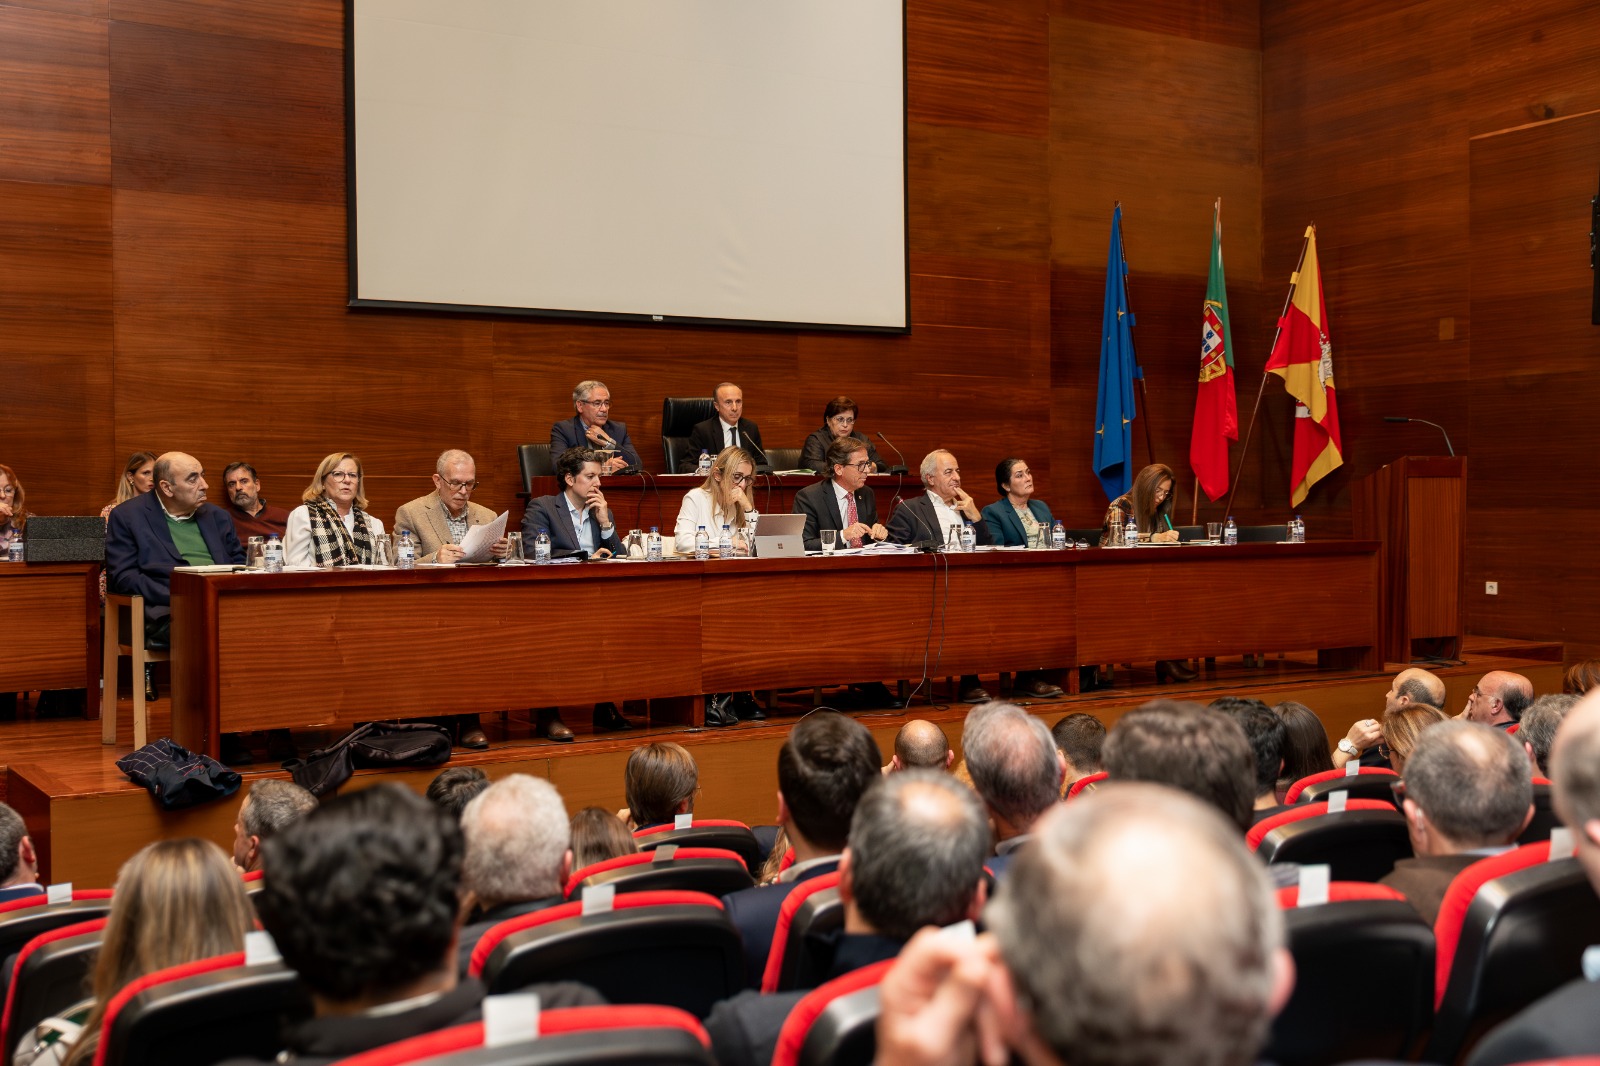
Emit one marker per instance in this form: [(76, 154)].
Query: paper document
[(480, 539)]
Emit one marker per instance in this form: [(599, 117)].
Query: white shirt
[(580, 524), (297, 535), (946, 515), (842, 496), (699, 509)]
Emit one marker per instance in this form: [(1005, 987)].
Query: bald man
[(1411, 687), (920, 745), (1498, 699)]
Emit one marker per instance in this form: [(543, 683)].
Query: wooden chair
[(135, 650)]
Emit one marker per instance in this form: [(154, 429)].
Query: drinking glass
[(829, 541), (1214, 532), (382, 550), (255, 553), (514, 543), (952, 540)]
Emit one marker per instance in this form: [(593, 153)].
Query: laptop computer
[(780, 536)]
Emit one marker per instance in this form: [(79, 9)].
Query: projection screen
[(714, 161)]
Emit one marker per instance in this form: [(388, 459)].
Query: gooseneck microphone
[(1425, 422)]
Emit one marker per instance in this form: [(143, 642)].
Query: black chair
[(679, 416), (52, 973), (835, 1025), (19, 925), (784, 458), (535, 461), (707, 833), (1359, 845), (714, 871), (808, 947), (1188, 533), (203, 1013), (1360, 786), (592, 1036), (1544, 817)]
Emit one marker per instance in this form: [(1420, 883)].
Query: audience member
[(517, 855), (175, 901), (1411, 687), (1266, 733), (252, 515), (19, 862), (824, 766), (1136, 931), (1539, 724), (1581, 677), (363, 905), (1305, 749), (591, 427), (1172, 742), (915, 859), (920, 745), (728, 428), (270, 806), (1016, 771), (331, 527), (1079, 737), (1401, 729), (598, 835), (138, 478), (456, 786), (1498, 699), (1468, 795), (660, 782)]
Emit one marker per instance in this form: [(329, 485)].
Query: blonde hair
[(725, 465), (315, 491), (125, 489), (176, 901)]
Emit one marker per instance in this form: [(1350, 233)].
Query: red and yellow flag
[(1303, 358)]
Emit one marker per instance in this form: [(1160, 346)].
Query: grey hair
[(583, 389), (273, 805), (1011, 758), (1472, 781), (448, 458), (12, 830), (517, 833), (1575, 766), (930, 462), (1540, 722), (1419, 691)]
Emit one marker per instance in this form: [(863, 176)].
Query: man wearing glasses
[(592, 427), (842, 503)]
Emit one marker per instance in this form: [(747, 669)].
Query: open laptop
[(780, 536)]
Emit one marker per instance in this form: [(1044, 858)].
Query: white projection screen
[(734, 162)]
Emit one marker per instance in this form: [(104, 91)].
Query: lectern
[(1416, 507)]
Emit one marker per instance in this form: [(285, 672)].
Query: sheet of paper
[(480, 539)]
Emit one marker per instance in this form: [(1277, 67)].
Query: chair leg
[(139, 720), (108, 676)]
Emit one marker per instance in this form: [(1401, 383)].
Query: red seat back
[(496, 933), (707, 833), (1085, 782), (151, 980), (49, 936), (1342, 892), (780, 932), (1304, 811), (792, 1037), (723, 874), (1293, 795), (551, 1023), (1458, 898), (42, 900)]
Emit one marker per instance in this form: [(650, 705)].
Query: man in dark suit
[(729, 429), (592, 427), (19, 863), (518, 855), (1016, 771), (829, 504)]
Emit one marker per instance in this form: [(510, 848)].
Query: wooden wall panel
[(1532, 62), (311, 22), (54, 98), (989, 80)]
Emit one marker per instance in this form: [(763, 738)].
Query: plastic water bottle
[(1058, 537), (1130, 533), (725, 542), (541, 546), (272, 555), (702, 544), (652, 545), (1230, 532), (969, 537), (405, 553), (14, 553), (1289, 536), (1298, 534), (704, 467)]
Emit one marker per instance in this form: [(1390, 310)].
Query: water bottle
[(1299, 534), (1130, 533), (272, 555), (704, 468), (405, 554), (702, 544), (652, 545), (15, 551), (541, 546), (969, 537), (1289, 536), (1058, 537), (1230, 532), (725, 542)]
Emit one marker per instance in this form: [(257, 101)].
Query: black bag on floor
[(372, 744), (176, 776)]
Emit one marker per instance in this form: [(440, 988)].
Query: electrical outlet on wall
[(1491, 588)]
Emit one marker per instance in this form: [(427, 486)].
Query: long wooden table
[(302, 650), (52, 635)]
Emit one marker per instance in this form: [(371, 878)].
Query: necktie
[(733, 432), (851, 517)]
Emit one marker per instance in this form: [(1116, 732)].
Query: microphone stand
[(1424, 421), (931, 544)]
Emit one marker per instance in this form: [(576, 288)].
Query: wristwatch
[(1347, 747)]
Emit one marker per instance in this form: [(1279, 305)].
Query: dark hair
[(1266, 733), (840, 451), (1416, 690), (659, 777), (1143, 496), (838, 406), (1581, 677), (362, 898), (1515, 700), (1305, 748), (598, 835), (456, 786), (1205, 754), (824, 766), (1012, 760), (570, 463), (231, 467), (1472, 781), (1002, 474), (917, 845), (12, 830), (1080, 737)]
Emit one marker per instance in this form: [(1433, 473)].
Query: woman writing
[(332, 528), (724, 499), (1149, 503), (1017, 519), (838, 420), (138, 478)]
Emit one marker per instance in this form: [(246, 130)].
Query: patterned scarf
[(331, 543)]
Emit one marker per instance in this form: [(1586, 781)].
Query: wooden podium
[(1416, 508)]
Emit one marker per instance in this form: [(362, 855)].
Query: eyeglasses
[(595, 403), (1398, 790), (1383, 749), (457, 486), (743, 479), (343, 475), (864, 465), (9, 490), (843, 420)]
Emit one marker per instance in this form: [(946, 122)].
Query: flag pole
[(1294, 283), (1144, 395)]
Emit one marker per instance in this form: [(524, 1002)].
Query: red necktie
[(851, 518)]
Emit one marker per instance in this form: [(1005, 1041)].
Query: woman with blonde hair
[(723, 499), (138, 477), (332, 528), (1401, 729), (598, 835)]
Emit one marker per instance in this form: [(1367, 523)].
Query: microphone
[(929, 543), (1424, 421), (897, 454)]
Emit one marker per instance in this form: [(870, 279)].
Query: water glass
[(952, 540), (382, 549), (830, 538), (1214, 532), (255, 553), (1083, 545), (514, 546)]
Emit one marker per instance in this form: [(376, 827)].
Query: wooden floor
[(87, 817)]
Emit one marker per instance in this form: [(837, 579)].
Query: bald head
[(921, 745), (1499, 698), (180, 482), (1472, 785), (1411, 686)]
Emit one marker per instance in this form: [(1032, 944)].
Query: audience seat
[(535, 461), (594, 1036), (1364, 964), (812, 908), (784, 458), (1083, 783), (836, 1024), (23, 919), (183, 1015), (1361, 843), (1512, 928), (679, 416), (707, 833), (1371, 782), (678, 949), (1544, 814), (51, 974), (715, 871)]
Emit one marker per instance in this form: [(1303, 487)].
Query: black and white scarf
[(331, 543)]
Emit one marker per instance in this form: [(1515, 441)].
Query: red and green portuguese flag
[(1303, 357), (1216, 411)]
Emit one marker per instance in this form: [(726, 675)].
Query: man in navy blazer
[(592, 427), (728, 429), (945, 504), (826, 503), (170, 526)]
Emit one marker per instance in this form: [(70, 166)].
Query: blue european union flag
[(1114, 410)]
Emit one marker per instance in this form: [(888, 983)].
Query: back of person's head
[(1138, 930), (824, 766), (12, 831), (1013, 762), (175, 901), (1080, 737), (1420, 686), (1581, 677), (1575, 771), (922, 745), (917, 845), (517, 835), (598, 835), (456, 786), (1305, 742), (1472, 781), (362, 899), (274, 805), (1540, 722), (1266, 733), (1171, 742), (658, 781), (1401, 729)]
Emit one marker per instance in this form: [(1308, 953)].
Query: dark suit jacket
[(473, 932), (814, 456), (915, 520), (550, 514), (820, 504), (570, 434), (140, 554), (754, 912), (1424, 879), (1004, 526), (708, 435), (1564, 1023)]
